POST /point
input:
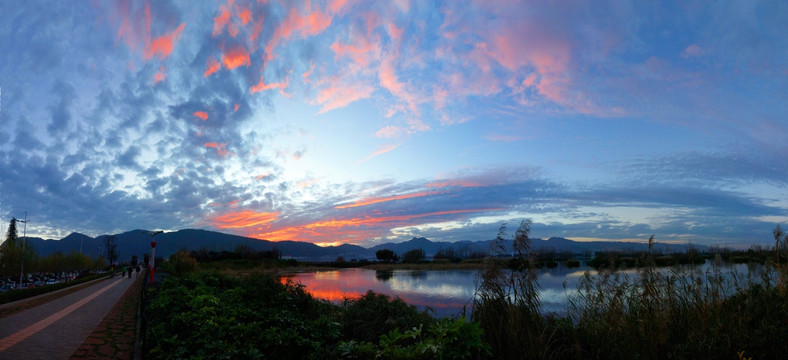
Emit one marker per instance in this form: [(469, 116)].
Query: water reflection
[(384, 275), (450, 292)]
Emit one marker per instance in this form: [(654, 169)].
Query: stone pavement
[(115, 336), (54, 330)]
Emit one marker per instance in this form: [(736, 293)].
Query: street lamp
[(24, 240), (153, 252)]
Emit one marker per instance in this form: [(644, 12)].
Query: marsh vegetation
[(647, 312)]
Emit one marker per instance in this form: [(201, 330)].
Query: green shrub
[(181, 263), (372, 315)]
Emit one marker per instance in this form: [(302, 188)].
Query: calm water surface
[(446, 292)]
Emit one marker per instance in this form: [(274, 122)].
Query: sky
[(365, 122)]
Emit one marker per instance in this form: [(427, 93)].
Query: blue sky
[(364, 122)]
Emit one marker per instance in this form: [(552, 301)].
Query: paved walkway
[(115, 337), (56, 329)]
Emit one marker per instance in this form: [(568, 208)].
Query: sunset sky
[(366, 122)]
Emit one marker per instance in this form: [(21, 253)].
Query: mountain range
[(137, 242)]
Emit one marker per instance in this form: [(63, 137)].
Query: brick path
[(115, 336), (54, 330)]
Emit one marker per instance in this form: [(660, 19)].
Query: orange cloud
[(201, 114), (221, 149), (222, 19), (236, 57), (164, 44), (135, 31), (359, 228), (160, 76), (236, 107), (262, 86), (370, 201), (243, 219), (213, 66), (261, 176), (245, 16)]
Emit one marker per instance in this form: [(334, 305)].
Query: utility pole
[(24, 237)]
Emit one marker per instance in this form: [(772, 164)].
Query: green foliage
[(444, 339), (208, 315), (413, 256), (373, 315)]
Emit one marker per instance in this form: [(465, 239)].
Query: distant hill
[(137, 242), (557, 244)]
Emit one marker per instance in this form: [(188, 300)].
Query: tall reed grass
[(652, 313)]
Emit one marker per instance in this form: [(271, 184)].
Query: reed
[(654, 312)]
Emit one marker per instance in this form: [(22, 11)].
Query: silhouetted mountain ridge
[(137, 242)]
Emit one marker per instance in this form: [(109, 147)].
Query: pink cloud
[(390, 81), (335, 94), (363, 52), (222, 19), (235, 57), (160, 75), (164, 44), (262, 86), (380, 151), (221, 149), (135, 31), (390, 131), (212, 67), (201, 114), (309, 23)]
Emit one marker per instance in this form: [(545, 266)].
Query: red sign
[(153, 244)]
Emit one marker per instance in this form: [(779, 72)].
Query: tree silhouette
[(385, 255), (413, 256), (111, 249), (11, 235)]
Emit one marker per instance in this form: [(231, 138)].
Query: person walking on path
[(137, 269)]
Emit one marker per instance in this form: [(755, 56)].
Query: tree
[(111, 249), (413, 256), (10, 251), (12, 235), (385, 255), (778, 232)]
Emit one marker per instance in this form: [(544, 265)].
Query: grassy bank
[(212, 315)]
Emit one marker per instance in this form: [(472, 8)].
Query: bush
[(181, 263), (372, 315)]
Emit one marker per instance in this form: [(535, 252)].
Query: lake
[(447, 292)]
